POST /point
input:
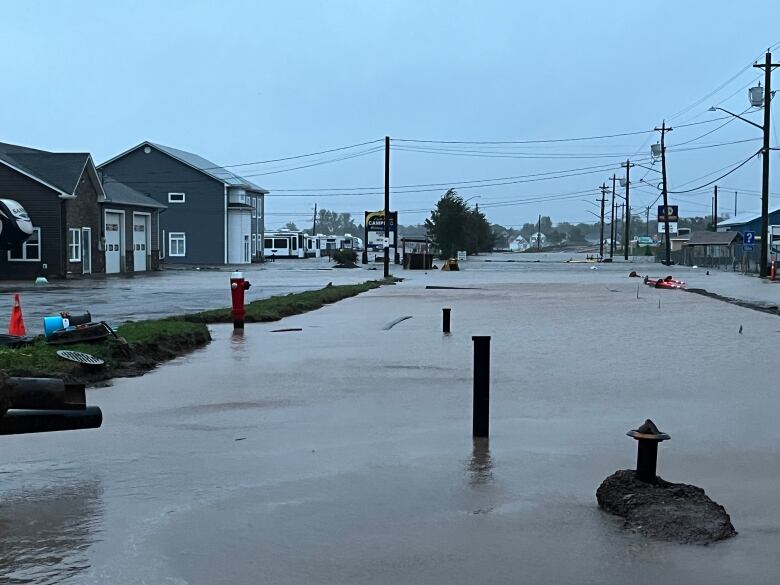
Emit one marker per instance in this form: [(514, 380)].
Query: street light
[(761, 97)]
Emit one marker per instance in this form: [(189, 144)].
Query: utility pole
[(667, 243), (735, 203), (612, 221), (715, 210), (647, 222), (387, 207), (314, 222), (768, 66), (627, 222), (601, 236), (539, 234)]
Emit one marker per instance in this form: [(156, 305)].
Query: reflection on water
[(238, 345), (45, 532), (480, 465)]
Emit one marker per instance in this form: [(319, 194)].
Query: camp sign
[(375, 230)]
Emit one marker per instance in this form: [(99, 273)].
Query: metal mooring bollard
[(648, 436), (481, 416), (445, 320)]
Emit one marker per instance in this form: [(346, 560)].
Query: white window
[(74, 245), (30, 250), (176, 197), (177, 244)]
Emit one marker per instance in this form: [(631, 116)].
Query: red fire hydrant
[(237, 287)]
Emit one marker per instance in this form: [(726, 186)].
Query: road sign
[(749, 238), (668, 211), (747, 247)]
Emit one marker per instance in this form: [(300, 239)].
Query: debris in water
[(740, 329)]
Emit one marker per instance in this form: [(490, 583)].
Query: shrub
[(345, 256)]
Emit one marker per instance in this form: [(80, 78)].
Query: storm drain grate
[(80, 357)]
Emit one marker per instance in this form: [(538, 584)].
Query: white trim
[(182, 200), (226, 225), (24, 250), (163, 240), (74, 245), (84, 243), (178, 236), (37, 180)]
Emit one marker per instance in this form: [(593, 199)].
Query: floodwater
[(342, 453), (119, 298)]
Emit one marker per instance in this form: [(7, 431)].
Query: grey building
[(213, 215)]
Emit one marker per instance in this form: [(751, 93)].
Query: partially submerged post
[(647, 436), (481, 414), (445, 320)]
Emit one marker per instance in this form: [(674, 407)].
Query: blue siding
[(201, 216)]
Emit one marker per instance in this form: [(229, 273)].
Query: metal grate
[(80, 357)]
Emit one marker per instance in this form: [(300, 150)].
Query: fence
[(719, 257)]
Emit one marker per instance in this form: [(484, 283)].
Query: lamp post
[(761, 96)]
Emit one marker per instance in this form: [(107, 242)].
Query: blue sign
[(749, 238), (747, 247)]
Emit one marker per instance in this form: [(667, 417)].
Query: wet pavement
[(120, 298), (342, 453)]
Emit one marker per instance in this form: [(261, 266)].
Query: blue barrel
[(52, 324)]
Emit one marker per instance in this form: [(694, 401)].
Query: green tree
[(290, 225), (454, 226), (334, 223)]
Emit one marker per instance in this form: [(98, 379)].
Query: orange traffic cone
[(16, 326)]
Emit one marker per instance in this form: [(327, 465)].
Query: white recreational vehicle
[(323, 245), (284, 244)]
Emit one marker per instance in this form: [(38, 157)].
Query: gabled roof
[(199, 163), (123, 194), (60, 171), (714, 238), (743, 218)]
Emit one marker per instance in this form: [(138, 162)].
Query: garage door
[(113, 241), (140, 236)]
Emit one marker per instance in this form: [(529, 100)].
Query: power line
[(740, 165)]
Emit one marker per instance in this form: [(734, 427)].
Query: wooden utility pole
[(715, 210), (539, 234), (627, 220), (314, 223), (767, 66), (601, 236), (387, 207), (612, 231), (667, 242)]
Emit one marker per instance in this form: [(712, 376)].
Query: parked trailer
[(284, 244), (324, 245)]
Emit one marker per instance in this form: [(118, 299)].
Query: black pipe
[(45, 393), (445, 320), (17, 422), (481, 415), (646, 460)]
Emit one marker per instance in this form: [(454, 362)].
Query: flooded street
[(152, 295), (342, 453)]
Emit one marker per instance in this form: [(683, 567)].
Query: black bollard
[(445, 320), (481, 415), (647, 436)]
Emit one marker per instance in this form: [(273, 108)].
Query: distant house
[(519, 244), (214, 216), (64, 197), (537, 240)]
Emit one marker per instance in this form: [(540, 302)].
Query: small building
[(712, 249), (214, 216), (748, 222), (519, 244)]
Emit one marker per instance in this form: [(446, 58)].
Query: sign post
[(375, 235)]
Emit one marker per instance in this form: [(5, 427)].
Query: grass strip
[(148, 343)]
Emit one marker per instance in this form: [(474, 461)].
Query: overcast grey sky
[(239, 82)]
